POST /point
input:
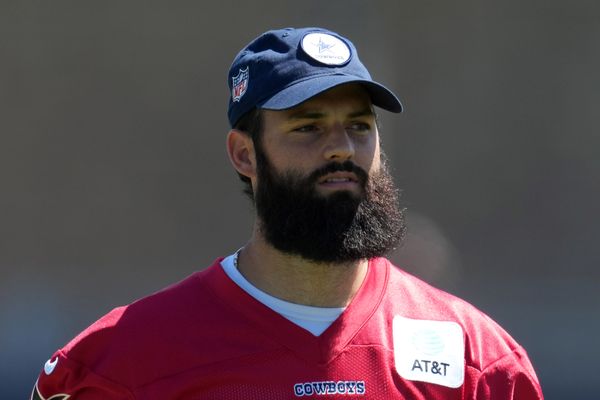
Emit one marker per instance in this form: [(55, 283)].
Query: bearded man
[(308, 306)]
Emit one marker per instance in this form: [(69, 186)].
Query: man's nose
[(339, 144)]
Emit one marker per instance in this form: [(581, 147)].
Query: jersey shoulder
[(416, 299), (159, 335), (426, 320)]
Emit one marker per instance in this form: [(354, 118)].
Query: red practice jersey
[(205, 338)]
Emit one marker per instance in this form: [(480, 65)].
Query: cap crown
[(282, 68)]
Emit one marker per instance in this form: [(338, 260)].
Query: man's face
[(336, 126), (321, 190)]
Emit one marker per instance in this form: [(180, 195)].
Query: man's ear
[(240, 149)]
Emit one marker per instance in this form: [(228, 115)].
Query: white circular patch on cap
[(326, 48)]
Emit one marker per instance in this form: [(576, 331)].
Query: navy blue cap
[(283, 68)]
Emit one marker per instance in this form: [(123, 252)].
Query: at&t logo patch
[(429, 351)]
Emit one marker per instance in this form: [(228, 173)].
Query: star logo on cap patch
[(325, 48)]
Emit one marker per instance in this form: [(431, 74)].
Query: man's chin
[(340, 196), (347, 191), (343, 185)]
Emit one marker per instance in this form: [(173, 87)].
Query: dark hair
[(251, 124)]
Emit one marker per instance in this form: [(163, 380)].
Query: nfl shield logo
[(239, 84)]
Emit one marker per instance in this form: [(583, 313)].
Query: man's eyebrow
[(306, 114), (309, 114), (367, 112)]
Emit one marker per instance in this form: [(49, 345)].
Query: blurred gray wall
[(114, 180)]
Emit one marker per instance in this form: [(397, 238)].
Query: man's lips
[(338, 179), (336, 176)]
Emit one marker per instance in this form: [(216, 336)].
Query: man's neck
[(294, 279)]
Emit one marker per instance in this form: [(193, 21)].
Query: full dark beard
[(337, 228)]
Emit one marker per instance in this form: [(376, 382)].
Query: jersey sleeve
[(510, 378), (63, 379)]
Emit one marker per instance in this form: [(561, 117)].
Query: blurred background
[(114, 180)]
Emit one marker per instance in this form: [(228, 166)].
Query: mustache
[(346, 166)]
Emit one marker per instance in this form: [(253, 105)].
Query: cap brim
[(301, 91)]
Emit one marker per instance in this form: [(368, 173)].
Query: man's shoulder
[(152, 327), (170, 303), (418, 300), (421, 298)]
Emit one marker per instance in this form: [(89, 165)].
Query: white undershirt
[(314, 319)]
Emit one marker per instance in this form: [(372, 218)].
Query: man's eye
[(360, 127), (306, 128)]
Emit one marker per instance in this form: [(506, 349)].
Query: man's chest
[(359, 372)]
